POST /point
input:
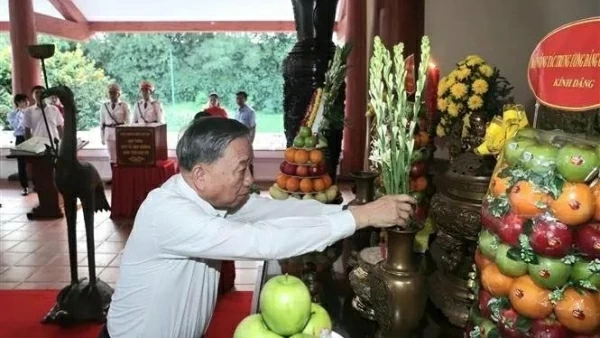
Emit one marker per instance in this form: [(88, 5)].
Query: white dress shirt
[(111, 116), (170, 266), (146, 112), (34, 120)]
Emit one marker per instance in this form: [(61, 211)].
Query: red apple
[(587, 239), (548, 328), (551, 238), (420, 212), (484, 300), (488, 220), (322, 168), (507, 325), (282, 166), (417, 169), (289, 169), (510, 229), (313, 170)]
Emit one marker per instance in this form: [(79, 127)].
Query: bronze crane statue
[(84, 300)]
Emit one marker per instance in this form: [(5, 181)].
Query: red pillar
[(25, 70), (356, 87)]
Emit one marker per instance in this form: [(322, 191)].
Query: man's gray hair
[(206, 139)]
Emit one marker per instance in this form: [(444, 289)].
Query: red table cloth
[(131, 185)]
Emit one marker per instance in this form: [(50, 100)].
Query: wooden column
[(356, 87), (25, 70)]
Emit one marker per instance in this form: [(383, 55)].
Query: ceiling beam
[(62, 28), (68, 10), (192, 26)]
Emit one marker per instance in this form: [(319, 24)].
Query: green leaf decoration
[(557, 295), (594, 266), (523, 324), (499, 206), (569, 259), (528, 227), (496, 306), (514, 254), (586, 284), (475, 333), (494, 333)]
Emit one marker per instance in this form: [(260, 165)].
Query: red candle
[(433, 79)]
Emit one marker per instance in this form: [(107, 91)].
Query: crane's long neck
[(68, 145)]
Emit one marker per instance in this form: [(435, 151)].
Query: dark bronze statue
[(84, 300)]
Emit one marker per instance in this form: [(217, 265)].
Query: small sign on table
[(141, 145)]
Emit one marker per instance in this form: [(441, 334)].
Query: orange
[(530, 300), (306, 185), (315, 156), (424, 138), (579, 311), (499, 186), (289, 154), (281, 181), (301, 156), (596, 192), (318, 184), (418, 184), (302, 170), (526, 200), (575, 205), (494, 282), (292, 184), (481, 261), (327, 180)]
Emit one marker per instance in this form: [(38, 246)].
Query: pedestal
[(141, 145)]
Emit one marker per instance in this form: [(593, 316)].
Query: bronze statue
[(86, 299)]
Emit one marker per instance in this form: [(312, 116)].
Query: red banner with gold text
[(564, 68)]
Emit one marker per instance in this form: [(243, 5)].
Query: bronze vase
[(398, 288)]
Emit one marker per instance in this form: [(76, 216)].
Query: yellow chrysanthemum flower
[(475, 102), (450, 82), (442, 86), (480, 86), (442, 105), (463, 73), (472, 56), (486, 70), (453, 109), (440, 131), (475, 61), (458, 90)]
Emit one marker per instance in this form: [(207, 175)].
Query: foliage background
[(201, 63)]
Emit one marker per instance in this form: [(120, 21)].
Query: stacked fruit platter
[(538, 260), (303, 171), (420, 180)]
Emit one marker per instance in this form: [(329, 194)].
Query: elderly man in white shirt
[(33, 118), (170, 265)]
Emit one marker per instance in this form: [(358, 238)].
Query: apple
[(285, 304), (290, 169), (548, 328), (483, 304), (417, 169), (301, 171), (313, 170), (550, 238), (299, 141), (277, 193), (322, 168), (417, 156), (550, 273), (297, 196), (539, 158), (507, 325), (488, 244), (302, 335), (332, 193), (319, 320), (420, 213), (308, 197), (576, 162), (321, 197), (253, 326), (507, 265), (510, 228), (527, 133), (304, 132), (282, 166), (513, 149), (419, 196), (587, 239), (587, 271), (480, 260), (488, 220), (488, 329), (310, 142)]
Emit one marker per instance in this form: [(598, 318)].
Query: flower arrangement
[(395, 117), (473, 87)]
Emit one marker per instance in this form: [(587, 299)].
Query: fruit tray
[(307, 164)]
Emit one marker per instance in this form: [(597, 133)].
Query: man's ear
[(198, 174)]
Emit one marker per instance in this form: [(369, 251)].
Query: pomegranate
[(510, 229), (548, 328), (484, 300), (550, 238), (587, 239), (507, 326)]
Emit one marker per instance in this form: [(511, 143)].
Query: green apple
[(319, 320), (297, 196), (539, 158), (488, 244), (550, 273), (576, 162), (488, 329), (303, 335), (507, 265), (513, 149), (285, 304), (253, 326), (587, 271), (331, 193), (308, 197), (277, 193), (321, 197), (305, 131), (299, 141), (527, 133), (310, 142)]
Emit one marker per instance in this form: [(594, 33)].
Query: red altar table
[(131, 185)]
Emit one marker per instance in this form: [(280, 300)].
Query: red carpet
[(22, 310)]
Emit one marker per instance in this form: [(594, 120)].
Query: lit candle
[(433, 79)]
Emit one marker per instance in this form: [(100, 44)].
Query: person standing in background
[(214, 106), (147, 110), (34, 122), (55, 101), (15, 119), (245, 114), (112, 114)]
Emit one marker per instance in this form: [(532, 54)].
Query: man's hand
[(387, 211)]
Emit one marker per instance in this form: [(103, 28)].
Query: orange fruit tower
[(538, 258)]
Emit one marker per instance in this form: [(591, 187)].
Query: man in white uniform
[(112, 114), (147, 110), (33, 118), (170, 265)]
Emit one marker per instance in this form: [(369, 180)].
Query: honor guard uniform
[(112, 114), (147, 110)]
